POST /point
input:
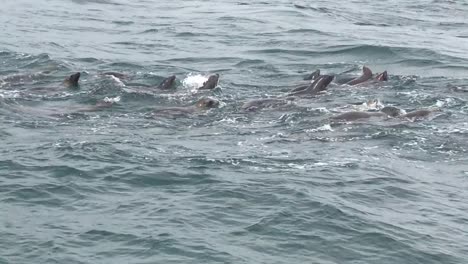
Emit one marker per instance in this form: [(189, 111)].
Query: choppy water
[(271, 186)]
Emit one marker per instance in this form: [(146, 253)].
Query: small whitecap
[(194, 81), (373, 104), (297, 166), (445, 102), (112, 99), (412, 143), (117, 80), (440, 103), (318, 109), (10, 94), (326, 127), (320, 164), (228, 120)]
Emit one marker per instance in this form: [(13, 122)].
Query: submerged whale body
[(356, 115), (204, 103), (265, 103), (385, 112)]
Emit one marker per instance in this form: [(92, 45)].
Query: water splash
[(194, 81), (117, 81)]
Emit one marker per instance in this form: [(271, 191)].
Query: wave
[(160, 179), (334, 50), (151, 30), (107, 2)]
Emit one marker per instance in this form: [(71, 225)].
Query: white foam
[(445, 102), (370, 105), (228, 120), (320, 164), (117, 80), (10, 94), (319, 109), (194, 81), (112, 99), (326, 127)]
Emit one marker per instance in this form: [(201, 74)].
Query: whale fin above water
[(320, 84), (313, 76), (366, 75), (323, 82)]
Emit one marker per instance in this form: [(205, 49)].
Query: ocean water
[(277, 185)]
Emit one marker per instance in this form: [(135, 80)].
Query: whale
[(382, 77), (365, 76), (167, 83), (318, 85), (307, 80), (312, 76), (211, 83), (72, 80), (419, 114), (345, 78), (201, 105), (256, 104), (355, 115), (385, 112)]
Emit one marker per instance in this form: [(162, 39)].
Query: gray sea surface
[(283, 184)]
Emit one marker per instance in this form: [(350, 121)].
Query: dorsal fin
[(366, 75)]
